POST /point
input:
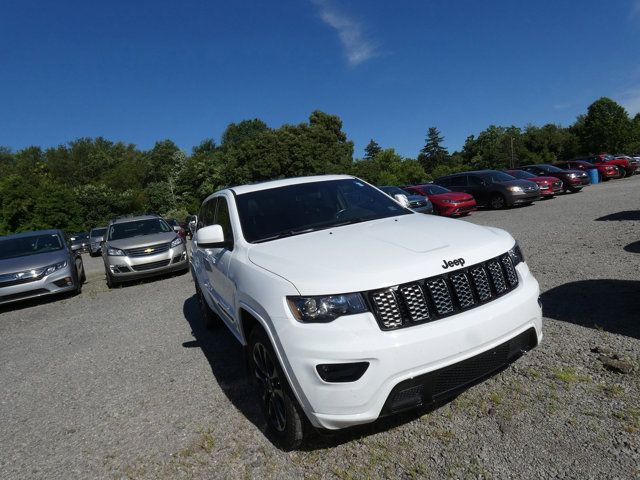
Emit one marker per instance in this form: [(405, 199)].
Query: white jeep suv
[(351, 306)]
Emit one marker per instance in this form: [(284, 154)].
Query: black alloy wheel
[(497, 201)]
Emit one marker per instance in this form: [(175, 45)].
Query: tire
[(79, 277), (497, 202), (286, 422), (574, 190), (209, 318)]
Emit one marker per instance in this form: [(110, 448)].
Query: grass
[(496, 398), (569, 376)]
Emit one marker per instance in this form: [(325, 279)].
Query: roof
[(132, 218), (285, 182), (28, 234)]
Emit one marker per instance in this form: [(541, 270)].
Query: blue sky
[(141, 71)]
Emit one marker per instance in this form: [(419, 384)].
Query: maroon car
[(605, 171), (623, 163), (572, 180), (549, 186)]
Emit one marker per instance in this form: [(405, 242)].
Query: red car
[(549, 186), (621, 162), (605, 171), (445, 202)]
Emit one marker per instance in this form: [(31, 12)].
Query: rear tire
[(497, 201), (286, 422)]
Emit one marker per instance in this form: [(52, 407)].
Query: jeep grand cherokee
[(351, 306)]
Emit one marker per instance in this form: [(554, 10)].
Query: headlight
[(52, 268), (114, 252), (516, 254), (176, 241), (326, 308), (515, 188), (572, 175), (445, 200)]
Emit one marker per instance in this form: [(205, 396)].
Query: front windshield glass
[(80, 236), (98, 232), (137, 228), (394, 191), (305, 207), (521, 174), (434, 189), (551, 168), (30, 245), (498, 177)]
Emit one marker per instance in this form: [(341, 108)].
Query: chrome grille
[(440, 295), (150, 266), (415, 302), (443, 295), (462, 287), (387, 308), (148, 250), (481, 282)]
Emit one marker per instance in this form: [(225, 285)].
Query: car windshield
[(305, 207), (137, 228), (433, 189), (80, 236), (551, 168), (498, 177), (521, 174), (98, 232), (173, 222), (29, 245)]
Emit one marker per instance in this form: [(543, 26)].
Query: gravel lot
[(125, 384)]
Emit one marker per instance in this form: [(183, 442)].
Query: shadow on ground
[(226, 359), (620, 216), (610, 305), (633, 247)]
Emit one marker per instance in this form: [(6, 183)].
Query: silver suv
[(143, 246)]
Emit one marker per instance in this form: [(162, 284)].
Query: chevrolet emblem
[(148, 250)]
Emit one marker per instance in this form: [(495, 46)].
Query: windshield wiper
[(290, 233)]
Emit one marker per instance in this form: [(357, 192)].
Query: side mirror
[(402, 199), (211, 236)]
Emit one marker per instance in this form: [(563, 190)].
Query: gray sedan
[(33, 264)]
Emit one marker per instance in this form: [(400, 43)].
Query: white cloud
[(630, 100), (357, 48)]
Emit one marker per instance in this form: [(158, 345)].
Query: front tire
[(497, 202), (285, 420), (111, 283), (209, 318)]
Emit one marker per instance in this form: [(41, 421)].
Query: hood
[(452, 196), (28, 262), (524, 184), (580, 173), (544, 179), (142, 240), (377, 254), (417, 198)]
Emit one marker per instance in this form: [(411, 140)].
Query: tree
[(371, 150), (606, 127), (433, 153), (389, 168)]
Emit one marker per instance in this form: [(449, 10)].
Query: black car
[(80, 242), (572, 180), (492, 188)]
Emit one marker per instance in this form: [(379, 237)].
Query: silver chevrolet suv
[(143, 246)]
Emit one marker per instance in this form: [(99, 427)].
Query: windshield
[(433, 189), (173, 222), (136, 228), (23, 246), (498, 177), (98, 232), (305, 207), (520, 174), (551, 168), (80, 236)]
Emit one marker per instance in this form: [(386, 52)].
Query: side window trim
[(222, 200)]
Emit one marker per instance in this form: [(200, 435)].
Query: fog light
[(342, 372)]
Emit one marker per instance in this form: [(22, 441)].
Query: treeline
[(88, 181)]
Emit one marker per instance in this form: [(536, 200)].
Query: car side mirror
[(211, 236), (402, 199)]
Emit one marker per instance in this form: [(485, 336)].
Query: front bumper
[(58, 282), (398, 355), (521, 198), (428, 209), (453, 209), (123, 268), (94, 247)]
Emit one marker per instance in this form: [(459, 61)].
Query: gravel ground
[(125, 384)]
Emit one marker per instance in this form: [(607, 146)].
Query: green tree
[(371, 150), (389, 168), (433, 153), (606, 127)]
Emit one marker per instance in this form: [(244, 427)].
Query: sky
[(139, 71)]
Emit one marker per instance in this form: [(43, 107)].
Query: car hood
[(417, 198), (544, 179), (377, 254), (459, 196), (29, 262), (518, 183), (142, 240)]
